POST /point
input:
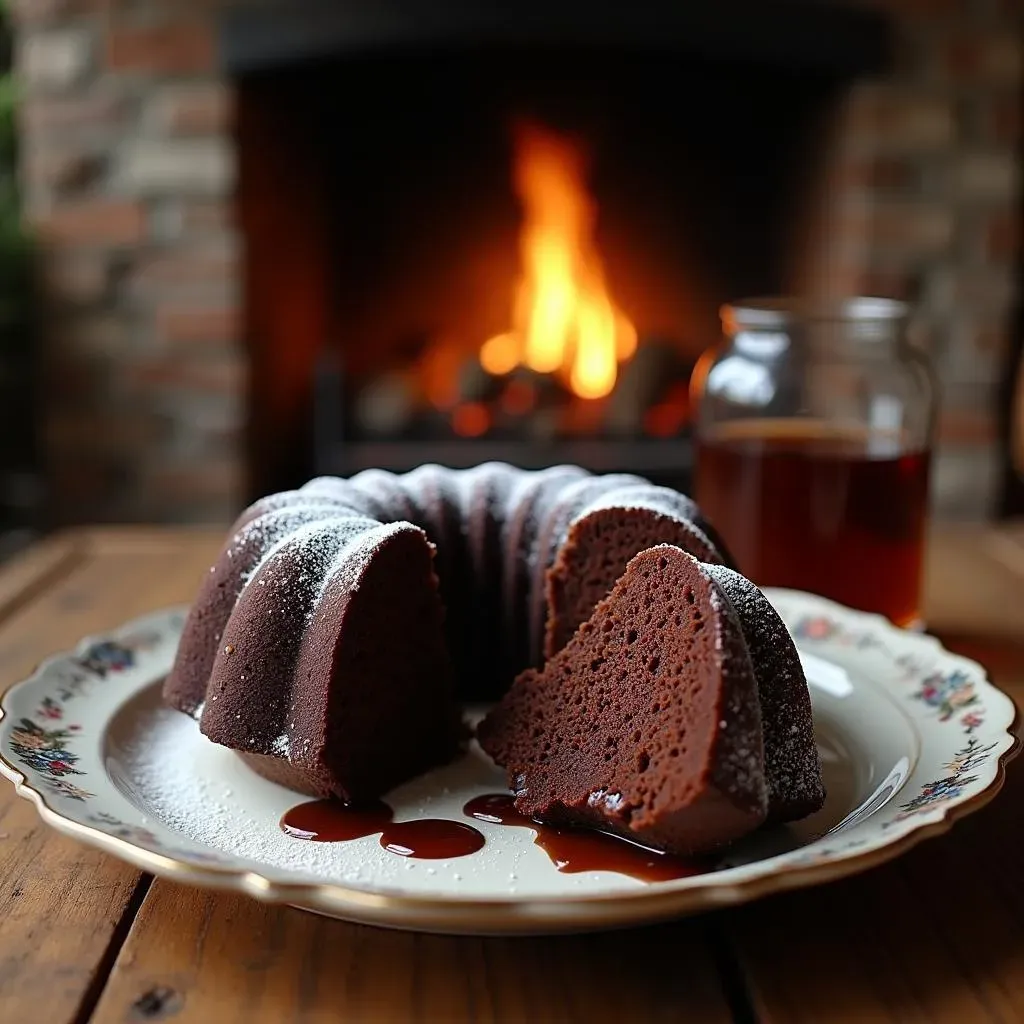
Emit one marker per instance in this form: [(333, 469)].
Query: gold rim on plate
[(570, 912)]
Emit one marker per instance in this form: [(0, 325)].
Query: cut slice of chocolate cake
[(605, 533), (791, 763), (647, 723)]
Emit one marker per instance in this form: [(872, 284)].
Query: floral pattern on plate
[(948, 692), (47, 750), (972, 755), (52, 746)]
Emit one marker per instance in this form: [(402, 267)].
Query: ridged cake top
[(546, 503), (495, 530), (527, 513)]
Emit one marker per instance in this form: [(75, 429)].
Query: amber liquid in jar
[(815, 507)]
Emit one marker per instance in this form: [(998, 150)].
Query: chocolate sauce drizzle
[(571, 850), (330, 821), (432, 839)]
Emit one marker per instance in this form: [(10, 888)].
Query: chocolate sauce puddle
[(573, 850), (432, 839), (330, 821)]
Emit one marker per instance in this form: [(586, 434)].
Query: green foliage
[(14, 247), (8, 96)]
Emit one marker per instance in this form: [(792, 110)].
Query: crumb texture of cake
[(647, 722), (604, 534), (349, 610)]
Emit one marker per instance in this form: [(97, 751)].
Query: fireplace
[(259, 225), (511, 240)]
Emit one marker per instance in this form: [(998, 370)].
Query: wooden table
[(937, 935)]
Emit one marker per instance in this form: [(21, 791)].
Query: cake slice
[(647, 723), (605, 534)]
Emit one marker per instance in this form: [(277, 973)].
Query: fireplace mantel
[(814, 35)]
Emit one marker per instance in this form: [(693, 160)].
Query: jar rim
[(780, 311)]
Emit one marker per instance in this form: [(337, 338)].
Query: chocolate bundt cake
[(676, 716), (349, 610)]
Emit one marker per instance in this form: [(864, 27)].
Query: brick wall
[(129, 176), (922, 201)]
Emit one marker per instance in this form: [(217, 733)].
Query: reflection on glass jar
[(814, 425)]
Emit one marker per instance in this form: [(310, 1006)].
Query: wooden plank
[(190, 542), (974, 579), (29, 572), (198, 954), (195, 956), (61, 903), (934, 936)]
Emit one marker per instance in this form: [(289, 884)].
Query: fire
[(564, 319)]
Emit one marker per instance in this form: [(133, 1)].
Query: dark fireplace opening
[(423, 224)]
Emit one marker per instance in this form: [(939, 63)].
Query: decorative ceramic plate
[(911, 737)]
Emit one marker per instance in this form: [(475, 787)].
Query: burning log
[(643, 383), (475, 384), (385, 406)]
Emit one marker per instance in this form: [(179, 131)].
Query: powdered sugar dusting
[(792, 766), (258, 539), (498, 530), (195, 789), (333, 547), (300, 553), (345, 554)]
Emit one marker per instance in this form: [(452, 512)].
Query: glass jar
[(814, 426)]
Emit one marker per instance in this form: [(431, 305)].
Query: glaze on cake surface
[(339, 610), (676, 716)]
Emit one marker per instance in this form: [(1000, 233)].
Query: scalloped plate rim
[(512, 915)]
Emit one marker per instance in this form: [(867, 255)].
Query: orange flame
[(564, 318)]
